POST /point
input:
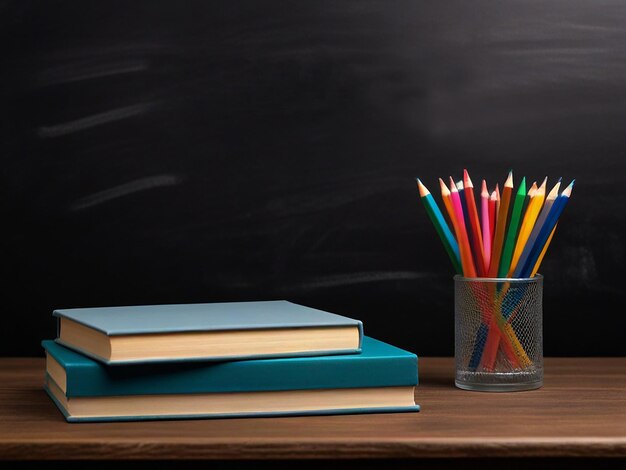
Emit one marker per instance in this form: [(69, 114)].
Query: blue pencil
[(541, 220), (546, 230)]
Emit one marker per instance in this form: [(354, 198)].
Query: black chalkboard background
[(175, 152)]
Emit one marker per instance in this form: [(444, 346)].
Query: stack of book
[(272, 358)]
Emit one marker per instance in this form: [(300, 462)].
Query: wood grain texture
[(580, 412)]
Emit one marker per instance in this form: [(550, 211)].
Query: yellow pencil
[(530, 217), (543, 252)]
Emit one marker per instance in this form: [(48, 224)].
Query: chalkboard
[(174, 152)]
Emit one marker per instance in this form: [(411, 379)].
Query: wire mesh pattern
[(498, 333)]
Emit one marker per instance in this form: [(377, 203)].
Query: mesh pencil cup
[(498, 333)]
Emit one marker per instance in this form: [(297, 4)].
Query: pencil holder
[(498, 333)]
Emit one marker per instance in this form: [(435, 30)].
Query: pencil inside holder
[(498, 333)]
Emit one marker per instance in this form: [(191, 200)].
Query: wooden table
[(579, 412)]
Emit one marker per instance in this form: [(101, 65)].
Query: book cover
[(210, 331), (380, 379), (377, 365)]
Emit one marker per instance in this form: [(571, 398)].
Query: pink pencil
[(484, 216), (468, 264)]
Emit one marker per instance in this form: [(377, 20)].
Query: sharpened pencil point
[(483, 190), (467, 182), (444, 189), (509, 180), (568, 191), (453, 186), (422, 188), (554, 192)]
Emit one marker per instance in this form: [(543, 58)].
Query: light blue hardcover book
[(381, 378), (212, 331)]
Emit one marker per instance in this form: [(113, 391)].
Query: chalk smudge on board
[(94, 120), (131, 187)]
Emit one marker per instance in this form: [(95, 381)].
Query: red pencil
[(472, 215), (497, 202)]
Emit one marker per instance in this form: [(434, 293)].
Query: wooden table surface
[(579, 412)]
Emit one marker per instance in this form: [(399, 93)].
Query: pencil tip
[(509, 180), (452, 185), (543, 184), (467, 180), (422, 188), (554, 192), (568, 191)]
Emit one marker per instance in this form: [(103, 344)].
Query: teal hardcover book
[(211, 331), (381, 378)]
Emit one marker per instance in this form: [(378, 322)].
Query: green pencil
[(511, 234)]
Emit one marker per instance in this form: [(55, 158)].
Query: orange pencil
[(472, 215), (498, 238), (445, 195), (492, 343)]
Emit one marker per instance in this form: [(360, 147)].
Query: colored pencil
[(497, 201), (472, 215), (543, 252), (459, 188), (532, 211), (441, 226), (532, 238), (511, 233), (486, 230), (501, 220), (466, 255), (546, 229), (492, 218), (447, 202)]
